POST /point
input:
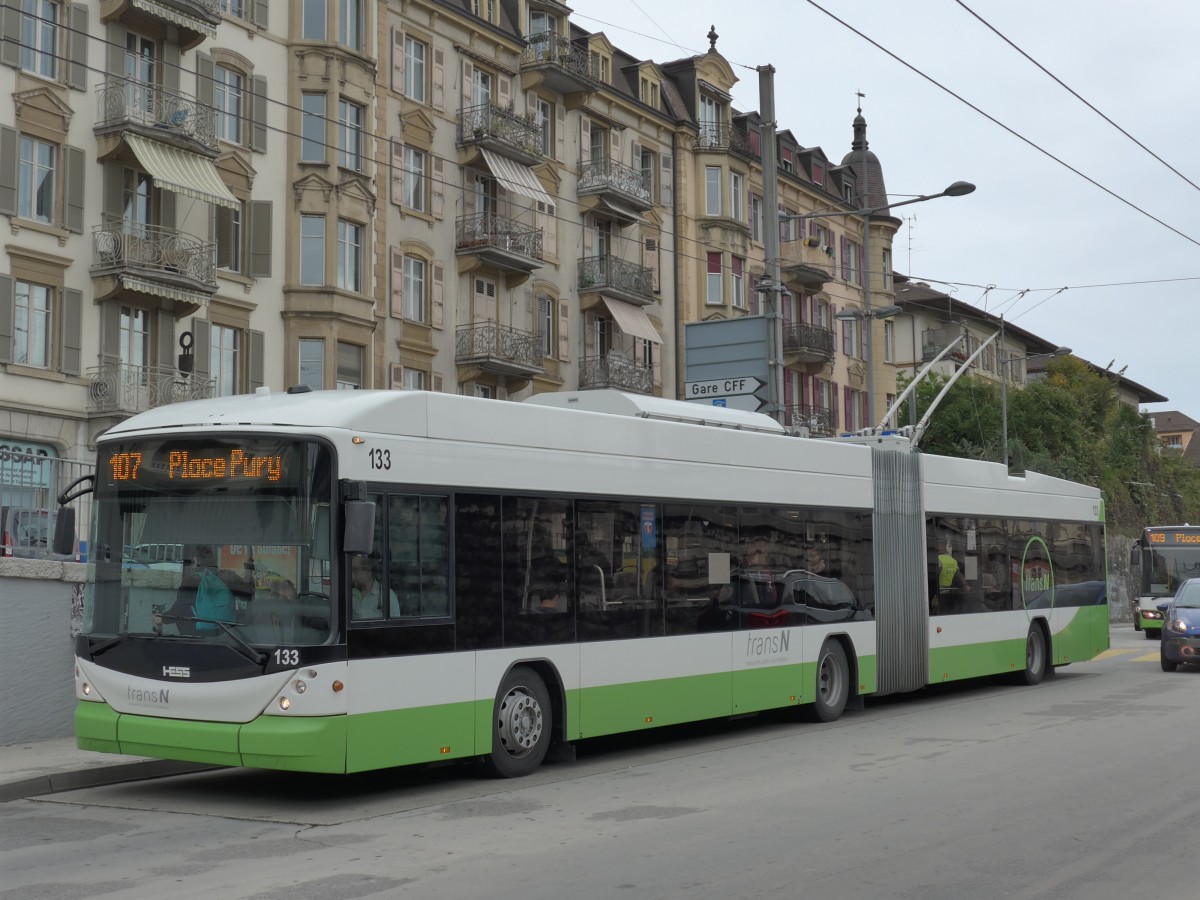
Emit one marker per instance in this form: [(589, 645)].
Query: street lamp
[(955, 189), (1004, 364)]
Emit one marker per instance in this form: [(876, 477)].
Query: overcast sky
[(1033, 223)]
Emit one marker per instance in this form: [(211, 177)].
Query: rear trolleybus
[(374, 579), (1163, 556)]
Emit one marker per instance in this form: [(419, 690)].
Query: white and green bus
[(381, 578), (1163, 556)]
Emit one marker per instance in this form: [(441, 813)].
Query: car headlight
[(1178, 626)]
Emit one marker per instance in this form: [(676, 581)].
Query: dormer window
[(818, 174), (541, 23), (710, 118), (648, 92), (848, 191)]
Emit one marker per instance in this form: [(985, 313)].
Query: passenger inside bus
[(206, 592), (367, 595)]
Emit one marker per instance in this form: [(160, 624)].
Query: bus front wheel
[(833, 683), (521, 724), (1035, 655)]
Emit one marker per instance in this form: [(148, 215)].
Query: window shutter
[(862, 338), (847, 338), (862, 265), (10, 31), (72, 332), (7, 302), (560, 132), (260, 14), (505, 92), (849, 396), (114, 180), (588, 236), (254, 361), (223, 228), (845, 249), (200, 347), (397, 172), (805, 391), (170, 66), (436, 379), (585, 140), (635, 155), (468, 76), (397, 60), (75, 162), (470, 186), (614, 140), (439, 78), (564, 331), (258, 114), (650, 259), (438, 188), (204, 75), (165, 346), (259, 261), (115, 43), (110, 333), (785, 307), (397, 294), (789, 392), (437, 300), (166, 208), (547, 221), (755, 302), (833, 399), (9, 162), (77, 47)]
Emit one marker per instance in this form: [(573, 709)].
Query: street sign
[(722, 387)]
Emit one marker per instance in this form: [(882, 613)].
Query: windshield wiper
[(243, 648)]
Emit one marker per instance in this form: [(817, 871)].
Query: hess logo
[(177, 672)]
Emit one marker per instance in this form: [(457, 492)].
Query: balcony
[(559, 66), (803, 343), (935, 340), (617, 278), (156, 260), (195, 19), (805, 264), (613, 371), (156, 113), (123, 388), (819, 420), (725, 139), (500, 242), (499, 349), (501, 131), (613, 181)]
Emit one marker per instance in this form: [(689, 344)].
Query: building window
[(887, 268), (227, 99), (350, 135), (542, 23), (135, 337), (312, 363), (852, 262), (649, 166), (414, 289), (315, 16), (35, 190), (756, 218), (39, 37), (414, 179), (545, 121), (312, 249), (1175, 441), (349, 249), (349, 366), (737, 268), (889, 342), (312, 128), (545, 325), (481, 88), (736, 210), (223, 360), (599, 144), (350, 23), (712, 190), (414, 70), (233, 7), (31, 325), (848, 191), (710, 121), (413, 379), (227, 235), (713, 294)]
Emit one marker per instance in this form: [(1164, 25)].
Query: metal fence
[(29, 488)]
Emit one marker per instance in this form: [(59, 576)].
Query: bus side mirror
[(64, 531), (360, 527), (1135, 557)]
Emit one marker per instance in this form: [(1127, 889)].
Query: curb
[(53, 783)]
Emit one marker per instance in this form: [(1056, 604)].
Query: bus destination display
[(211, 465), (1170, 537)]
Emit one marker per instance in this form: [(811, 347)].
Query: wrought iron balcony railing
[(810, 340), (597, 273), (723, 137), (127, 100), (477, 124), (613, 371), (607, 174), (124, 388), (488, 230), (819, 420), (117, 244), (548, 47), (490, 340)]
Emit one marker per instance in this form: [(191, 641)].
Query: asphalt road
[(1082, 787)]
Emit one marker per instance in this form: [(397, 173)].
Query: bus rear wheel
[(1035, 655), (522, 723), (833, 683)]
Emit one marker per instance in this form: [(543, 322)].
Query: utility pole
[(773, 289)]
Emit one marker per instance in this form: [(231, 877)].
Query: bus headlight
[(285, 703)]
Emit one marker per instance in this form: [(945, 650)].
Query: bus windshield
[(1171, 562), (203, 537)]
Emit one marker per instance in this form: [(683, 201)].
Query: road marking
[(1109, 654), (1149, 657)]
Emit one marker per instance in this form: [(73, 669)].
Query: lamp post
[(956, 189), (1004, 364)]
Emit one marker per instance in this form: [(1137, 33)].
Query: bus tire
[(522, 724), (1035, 655), (1151, 635), (833, 683)]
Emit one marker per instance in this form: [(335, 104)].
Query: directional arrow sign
[(722, 387)]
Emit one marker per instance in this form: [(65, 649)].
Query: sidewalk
[(34, 768)]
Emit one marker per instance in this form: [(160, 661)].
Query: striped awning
[(162, 11), (181, 171), (166, 291), (632, 320), (515, 177)]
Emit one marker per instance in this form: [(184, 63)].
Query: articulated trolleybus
[(1163, 557), (371, 579)]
